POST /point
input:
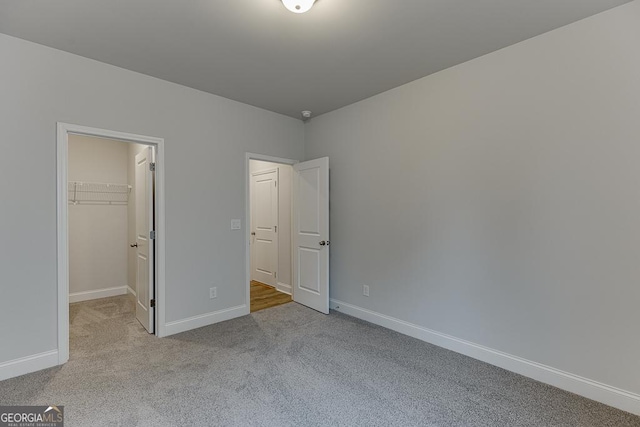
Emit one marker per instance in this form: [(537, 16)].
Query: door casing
[(62, 172)]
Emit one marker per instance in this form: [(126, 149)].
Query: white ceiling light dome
[(298, 6)]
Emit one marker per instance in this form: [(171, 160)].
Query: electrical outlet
[(365, 290), (213, 293), (236, 224)]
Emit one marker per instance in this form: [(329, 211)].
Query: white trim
[(63, 131), (247, 218), (204, 320), (131, 291), (284, 288), (97, 294), (609, 395), (63, 243), (25, 365)]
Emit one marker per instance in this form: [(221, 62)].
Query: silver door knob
[(135, 245), (325, 243)]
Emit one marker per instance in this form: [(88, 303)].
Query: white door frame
[(247, 217), (62, 172)]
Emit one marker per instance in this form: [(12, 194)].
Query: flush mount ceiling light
[(298, 6)]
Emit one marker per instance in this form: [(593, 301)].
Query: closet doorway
[(110, 238)]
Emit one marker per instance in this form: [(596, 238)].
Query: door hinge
[(152, 167), (275, 227), (152, 234), (152, 303), (275, 274)]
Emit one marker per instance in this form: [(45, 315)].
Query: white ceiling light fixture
[(298, 6)]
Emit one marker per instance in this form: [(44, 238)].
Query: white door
[(264, 226), (145, 275), (311, 234)]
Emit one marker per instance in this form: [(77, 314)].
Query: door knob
[(325, 243), (253, 233), (135, 245)]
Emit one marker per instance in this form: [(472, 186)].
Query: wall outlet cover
[(213, 293), (236, 224)]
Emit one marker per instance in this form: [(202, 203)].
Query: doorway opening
[(110, 237), (270, 196), (287, 240)]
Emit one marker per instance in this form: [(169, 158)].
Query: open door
[(145, 271), (311, 234)]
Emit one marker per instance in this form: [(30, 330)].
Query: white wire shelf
[(98, 193)]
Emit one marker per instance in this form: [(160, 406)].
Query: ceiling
[(257, 52)]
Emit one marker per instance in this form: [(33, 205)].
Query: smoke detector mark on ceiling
[(298, 6)]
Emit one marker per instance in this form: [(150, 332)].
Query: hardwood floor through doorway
[(264, 296)]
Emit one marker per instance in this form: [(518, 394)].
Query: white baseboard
[(204, 320), (284, 288), (131, 291), (609, 395), (100, 293), (26, 365)]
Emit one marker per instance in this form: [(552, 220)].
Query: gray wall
[(499, 201), (205, 136)]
